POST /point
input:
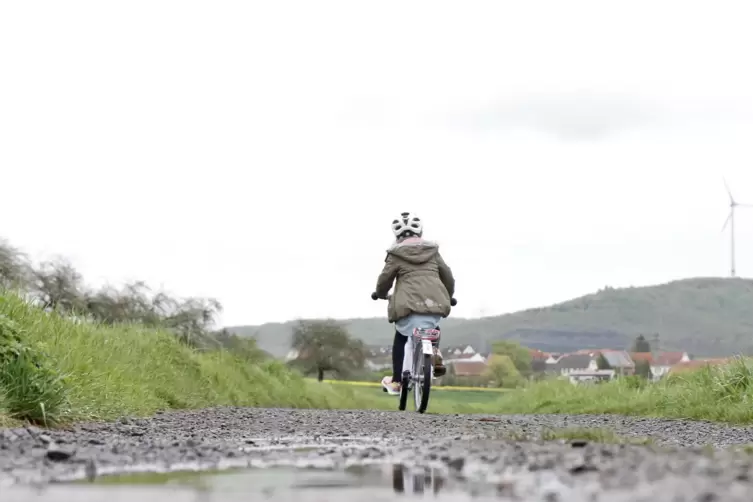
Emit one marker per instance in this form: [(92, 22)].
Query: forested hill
[(705, 316)]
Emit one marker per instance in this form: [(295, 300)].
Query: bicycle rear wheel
[(423, 382)]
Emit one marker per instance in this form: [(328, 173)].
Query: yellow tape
[(437, 387)]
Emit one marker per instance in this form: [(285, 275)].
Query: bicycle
[(418, 378)]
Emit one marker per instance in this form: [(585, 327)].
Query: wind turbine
[(731, 221)]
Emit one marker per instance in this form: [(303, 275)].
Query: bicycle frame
[(423, 342), (419, 377)]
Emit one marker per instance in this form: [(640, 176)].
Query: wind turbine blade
[(744, 205), (726, 222), (729, 192)]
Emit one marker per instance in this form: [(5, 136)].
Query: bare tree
[(15, 270), (192, 320), (59, 286)]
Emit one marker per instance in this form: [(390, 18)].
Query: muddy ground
[(473, 453)]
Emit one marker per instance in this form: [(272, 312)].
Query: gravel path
[(464, 449)]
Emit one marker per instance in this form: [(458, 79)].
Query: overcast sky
[(258, 151)]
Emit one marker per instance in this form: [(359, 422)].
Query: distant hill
[(704, 316)]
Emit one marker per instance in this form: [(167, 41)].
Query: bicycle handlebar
[(453, 301)]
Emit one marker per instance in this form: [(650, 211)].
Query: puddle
[(359, 483)]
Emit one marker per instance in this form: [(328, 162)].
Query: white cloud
[(592, 116)]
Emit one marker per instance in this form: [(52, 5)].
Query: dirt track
[(464, 450)]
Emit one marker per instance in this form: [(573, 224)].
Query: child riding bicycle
[(424, 286)]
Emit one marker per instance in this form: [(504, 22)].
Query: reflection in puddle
[(415, 482), (404, 480), (361, 482)]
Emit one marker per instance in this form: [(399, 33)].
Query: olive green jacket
[(423, 282)]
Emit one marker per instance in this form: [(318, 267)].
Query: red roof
[(538, 354), (642, 356), (669, 358), (699, 363), (468, 368)]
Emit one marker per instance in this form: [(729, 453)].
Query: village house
[(478, 357), (552, 358), (698, 363), (619, 360), (466, 368), (577, 377), (662, 363), (462, 353), (538, 360), (665, 361), (578, 367), (458, 350), (581, 367), (570, 363)]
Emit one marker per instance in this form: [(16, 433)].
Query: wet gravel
[(476, 452)]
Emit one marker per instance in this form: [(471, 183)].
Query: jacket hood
[(414, 250)]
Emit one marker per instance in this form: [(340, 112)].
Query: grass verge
[(441, 399), (54, 370), (721, 393)]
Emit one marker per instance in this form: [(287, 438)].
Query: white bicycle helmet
[(407, 222)]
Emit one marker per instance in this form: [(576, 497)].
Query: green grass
[(441, 400), (717, 393), (5, 420), (92, 372)]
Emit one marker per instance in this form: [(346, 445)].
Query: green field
[(721, 393), (442, 399), (461, 401), (718, 393), (439, 387)]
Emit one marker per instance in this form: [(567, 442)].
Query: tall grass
[(57, 370), (719, 393)]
